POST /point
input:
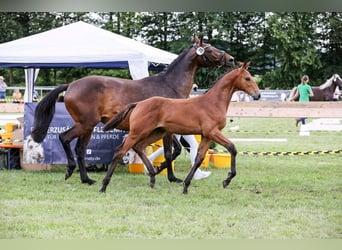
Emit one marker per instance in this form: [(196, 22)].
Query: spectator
[(35, 96), (3, 87), (304, 92), (16, 96)]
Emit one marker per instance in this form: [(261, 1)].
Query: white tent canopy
[(80, 45)]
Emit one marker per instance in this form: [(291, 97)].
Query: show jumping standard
[(95, 99), (324, 92), (151, 119)]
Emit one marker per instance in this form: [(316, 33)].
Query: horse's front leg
[(225, 142), (232, 173)]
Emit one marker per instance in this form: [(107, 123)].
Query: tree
[(294, 36), (330, 42)]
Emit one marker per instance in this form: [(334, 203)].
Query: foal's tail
[(119, 117), (44, 113)]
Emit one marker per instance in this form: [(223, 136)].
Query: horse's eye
[(247, 79)]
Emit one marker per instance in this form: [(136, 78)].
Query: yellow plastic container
[(136, 168), (7, 138), (206, 161), (221, 160), (10, 127)]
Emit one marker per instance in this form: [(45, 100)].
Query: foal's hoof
[(89, 182), (102, 190)]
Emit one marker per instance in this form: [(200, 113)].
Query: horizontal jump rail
[(285, 109), (252, 109)]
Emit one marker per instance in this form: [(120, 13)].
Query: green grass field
[(272, 197)]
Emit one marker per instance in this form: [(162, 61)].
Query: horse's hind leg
[(80, 150), (139, 150), (63, 137), (119, 152), (202, 149)]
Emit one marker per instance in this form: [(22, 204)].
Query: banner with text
[(99, 150)]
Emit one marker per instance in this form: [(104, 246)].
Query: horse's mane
[(327, 83), (175, 62)]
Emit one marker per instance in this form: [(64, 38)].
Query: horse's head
[(246, 83), (209, 56), (337, 79)]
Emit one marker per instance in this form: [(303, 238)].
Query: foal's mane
[(219, 77)]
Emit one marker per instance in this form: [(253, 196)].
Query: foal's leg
[(202, 150), (220, 138), (118, 154), (152, 172)]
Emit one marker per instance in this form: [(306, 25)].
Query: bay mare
[(94, 99), (324, 92), (206, 115)]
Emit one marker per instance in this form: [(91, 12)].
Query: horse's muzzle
[(230, 62), (256, 96)]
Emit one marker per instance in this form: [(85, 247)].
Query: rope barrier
[(272, 131), (317, 152)]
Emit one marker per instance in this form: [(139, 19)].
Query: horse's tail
[(119, 117), (44, 113)]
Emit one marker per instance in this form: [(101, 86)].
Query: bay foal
[(206, 115)]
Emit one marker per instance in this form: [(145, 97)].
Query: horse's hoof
[(67, 175), (89, 182), (151, 185), (225, 183), (175, 180), (102, 190)]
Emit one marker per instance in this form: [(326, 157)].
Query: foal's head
[(209, 56), (246, 83)]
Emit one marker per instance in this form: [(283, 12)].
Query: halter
[(201, 52)]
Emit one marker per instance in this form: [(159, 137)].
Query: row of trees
[(281, 46)]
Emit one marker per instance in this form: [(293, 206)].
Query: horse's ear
[(201, 41), (245, 65), (197, 40)]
